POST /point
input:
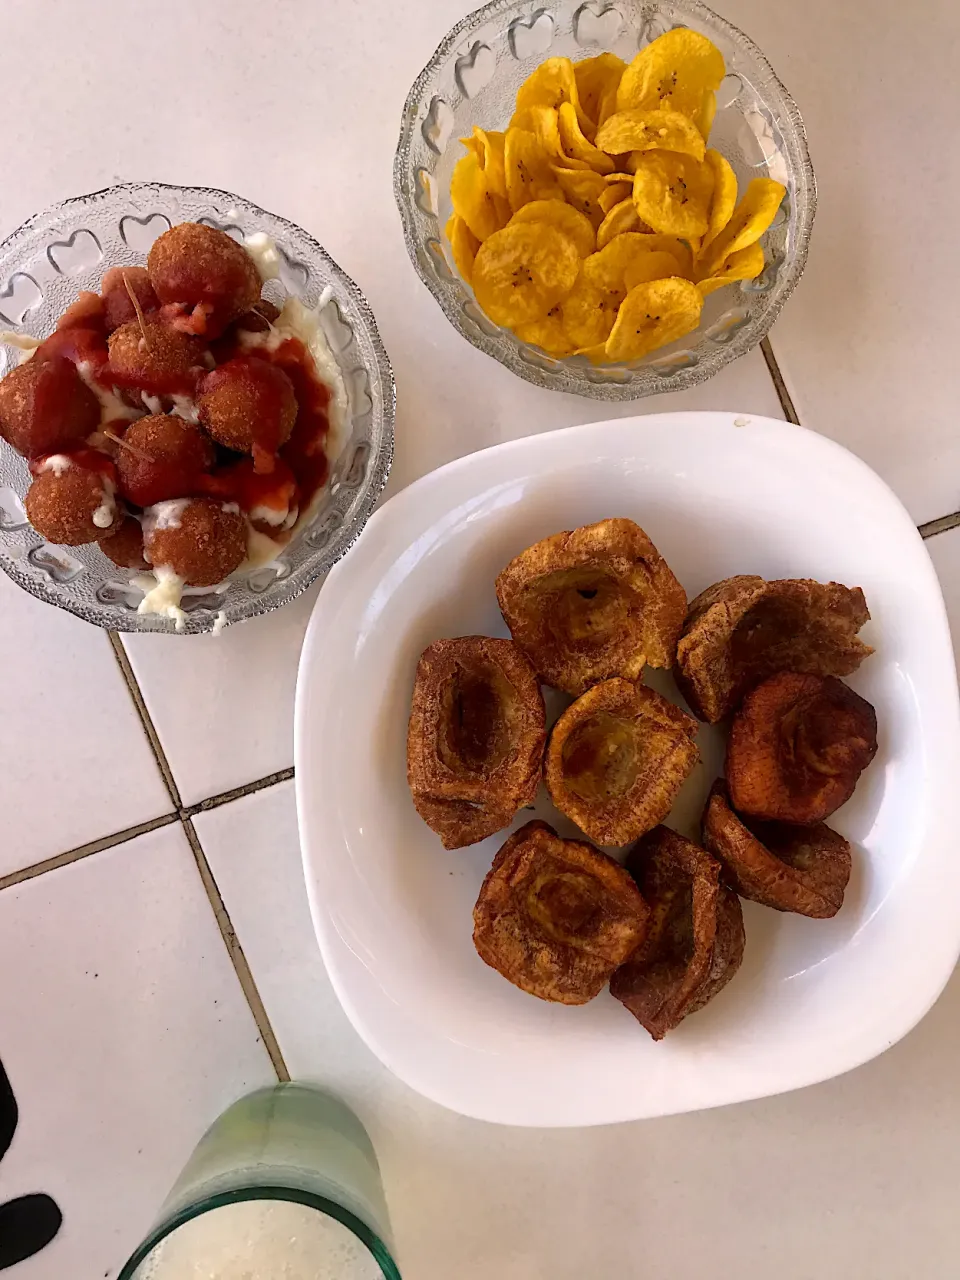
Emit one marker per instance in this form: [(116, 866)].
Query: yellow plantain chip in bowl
[(521, 272)]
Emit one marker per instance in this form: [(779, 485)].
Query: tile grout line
[(941, 525), (235, 951), (133, 688), (237, 793), (84, 850), (227, 932), (779, 385), (57, 860)]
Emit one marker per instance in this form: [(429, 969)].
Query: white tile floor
[(219, 728), (864, 347), (75, 763), (123, 1030), (117, 1074)]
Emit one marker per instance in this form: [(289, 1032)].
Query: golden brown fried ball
[(200, 539), (72, 504), (154, 358), (115, 289), (45, 407), (249, 405), (125, 546), (161, 457), (212, 278)]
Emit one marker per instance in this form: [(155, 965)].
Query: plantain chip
[(651, 315), (660, 130), (583, 189), (743, 264), (750, 219), (675, 246), (550, 84), (705, 116), (597, 80), (672, 193), (608, 103), (675, 71), (724, 198), (656, 264), (576, 145), (548, 333), (616, 192), (608, 266), (472, 198), (589, 311), (622, 217), (544, 122), (463, 244), (523, 271), (488, 144), (565, 218), (528, 173)]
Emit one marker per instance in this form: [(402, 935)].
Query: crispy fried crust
[(616, 759), (556, 917), (694, 944), (593, 603), (797, 747), (742, 630), (475, 738), (789, 868)]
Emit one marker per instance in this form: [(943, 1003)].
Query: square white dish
[(719, 495)]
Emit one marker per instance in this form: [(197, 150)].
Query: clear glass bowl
[(473, 78), (55, 254)]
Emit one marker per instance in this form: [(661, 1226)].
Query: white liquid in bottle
[(261, 1240)]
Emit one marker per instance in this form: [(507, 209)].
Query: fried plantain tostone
[(616, 759), (778, 864), (475, 738), (744, 629), (694, 944), (556, 917), (591, 604), (797, 746)]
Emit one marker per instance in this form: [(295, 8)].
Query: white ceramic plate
[(719, 495)]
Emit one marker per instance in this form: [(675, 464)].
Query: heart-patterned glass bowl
[(473, 78), (43, 266)]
